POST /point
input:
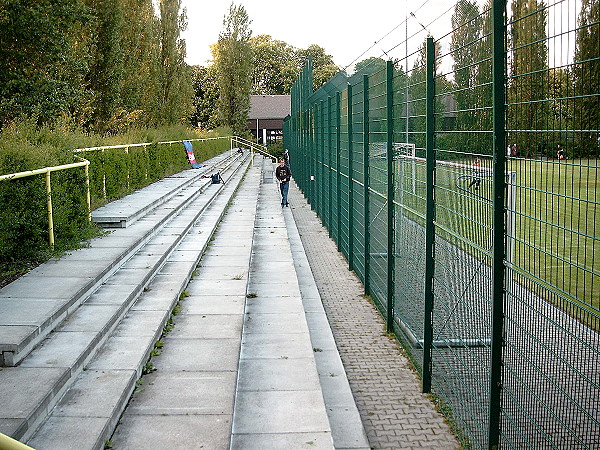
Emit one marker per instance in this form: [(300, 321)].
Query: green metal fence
[(460, 181)]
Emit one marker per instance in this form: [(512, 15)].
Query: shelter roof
[(269, 106)]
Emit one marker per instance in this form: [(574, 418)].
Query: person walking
[(283, 174)]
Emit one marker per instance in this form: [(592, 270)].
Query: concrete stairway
[(58, 319), (35, 304), (250, 362), (209, 334)]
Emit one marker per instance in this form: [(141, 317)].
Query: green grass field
[(558, 226), (556, 213)]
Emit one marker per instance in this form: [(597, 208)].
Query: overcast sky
[(344, 31)]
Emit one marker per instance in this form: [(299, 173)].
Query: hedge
[(113, 173)]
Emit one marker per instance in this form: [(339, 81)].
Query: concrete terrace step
[(32, 306), (99, 395), (31, 390), (279, 402), (122, 213), (255, 278)]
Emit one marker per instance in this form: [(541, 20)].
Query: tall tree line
[(245, 65), (586, 74), (547, 105), (233, 61), (107, 64)]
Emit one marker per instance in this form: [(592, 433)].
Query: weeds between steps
[(170, 324)]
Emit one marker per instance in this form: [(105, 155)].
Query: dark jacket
[(283, 173)]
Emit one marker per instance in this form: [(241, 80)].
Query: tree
[(369, 66), (176, 85), (140, 36), (44, 58), (526, 91), (586, 71), (206, 95), (107, 73), (323, 66), (233, 60), (417, 95), (275, 66), (465, 46), (484, 74)]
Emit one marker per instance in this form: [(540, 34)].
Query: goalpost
[(467, 185), (405, 152)]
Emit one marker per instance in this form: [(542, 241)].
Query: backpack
[(216, 178)]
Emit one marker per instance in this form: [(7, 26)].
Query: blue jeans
[(284, 188)]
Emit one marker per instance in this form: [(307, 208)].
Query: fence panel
[(552, 369), (358, 179), (344, 163), (497, 152)]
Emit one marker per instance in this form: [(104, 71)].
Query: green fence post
[(299, 167), (315, 154), (330, 170), (390, 196), (319, 159), (350, 185), (367, 243), (304, 118), (301, 163), (322, 163), (430, 215), (338, 146), (498, 232), (311, 157), (306, 165)]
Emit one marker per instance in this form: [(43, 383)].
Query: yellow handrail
[(47, 171), (144, 144), (253, 146), (85, 163), (126, 147), (8, 443)]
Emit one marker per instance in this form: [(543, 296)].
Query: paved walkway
[(388, 394)]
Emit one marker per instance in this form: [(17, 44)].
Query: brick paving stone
[(387, 391)]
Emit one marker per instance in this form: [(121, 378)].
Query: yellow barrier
[(254, 147), (126, 148), (8, 443), (47, 171), (85, 163)]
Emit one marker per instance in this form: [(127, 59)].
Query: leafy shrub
[(113, 173)]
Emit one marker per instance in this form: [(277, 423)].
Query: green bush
[(24, 239), (120, 171), (113, 173)]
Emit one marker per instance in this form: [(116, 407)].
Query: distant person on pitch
[(283, 174)]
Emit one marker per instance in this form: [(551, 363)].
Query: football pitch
[(553, 219), (557, 226)]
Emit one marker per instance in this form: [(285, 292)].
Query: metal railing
[(253, 146), (8, 443), (47, 171), (131, 169), (129, 178)]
